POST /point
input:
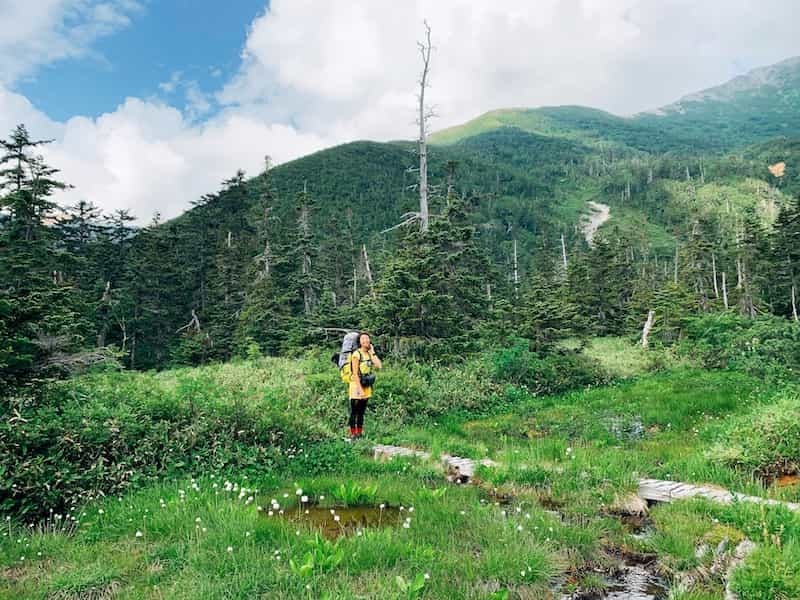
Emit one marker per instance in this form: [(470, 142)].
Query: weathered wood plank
[(657, 490)]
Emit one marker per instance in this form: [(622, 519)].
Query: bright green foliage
[(765, 443)]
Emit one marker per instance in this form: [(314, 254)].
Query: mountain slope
[(588, 126), (754, 107), (759, 105)]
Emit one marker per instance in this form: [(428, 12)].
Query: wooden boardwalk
[(658, 490), (458, 468), (655, 490)]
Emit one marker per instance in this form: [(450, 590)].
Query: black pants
[(357, 409)]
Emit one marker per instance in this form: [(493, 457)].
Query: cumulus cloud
[(150, 157), (39, 32), (350, 71), (316, 73)]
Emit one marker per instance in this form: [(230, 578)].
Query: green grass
[(566, 462)]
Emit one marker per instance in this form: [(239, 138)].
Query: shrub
[(766, 347), (765, 442), (544, 373)]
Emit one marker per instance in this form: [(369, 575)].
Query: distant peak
[(783, 75)]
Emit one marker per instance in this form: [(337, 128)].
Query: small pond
[(334, 522)]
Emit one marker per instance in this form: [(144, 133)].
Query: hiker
[(363, 362)]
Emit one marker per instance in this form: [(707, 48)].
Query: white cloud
[(349, 69), (315, 73), (39, 32), (149, 157)]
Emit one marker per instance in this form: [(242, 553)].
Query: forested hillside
[(275, 261)]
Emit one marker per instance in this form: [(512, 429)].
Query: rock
[(631, 504), (743, 549)]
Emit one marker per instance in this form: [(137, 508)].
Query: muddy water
[(352, 519), (635, 578), (635, 582)]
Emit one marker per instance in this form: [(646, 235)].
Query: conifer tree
[(40, 311), (266, 314), (785, 259)]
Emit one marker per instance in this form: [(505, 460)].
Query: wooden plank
[(657, 490)]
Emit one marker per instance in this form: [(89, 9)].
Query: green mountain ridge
[(751, 108)]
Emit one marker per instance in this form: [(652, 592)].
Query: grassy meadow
[(193, 483)]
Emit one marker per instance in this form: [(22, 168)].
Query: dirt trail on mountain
[(598, 214)]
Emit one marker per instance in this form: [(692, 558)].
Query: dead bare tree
[(424, 115), (367, 269), (648, 325), (423, 118), (714, 274), (194, 323), (304, 222), (724, 291)]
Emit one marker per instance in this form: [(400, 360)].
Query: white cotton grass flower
[(230, 549), (304, 499), (100, 511), (406, 525), (270, 513), (197, 519), (298, 492), (337, 518), (427, 576), (139, 534)]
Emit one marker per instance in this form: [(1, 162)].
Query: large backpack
[(349, 345)]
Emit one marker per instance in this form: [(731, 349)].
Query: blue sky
[(200, 39)]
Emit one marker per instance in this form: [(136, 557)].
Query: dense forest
[(280, 261)]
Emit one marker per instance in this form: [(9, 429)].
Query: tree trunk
[(739, 273), (563, 252), (724, 291), (675, 274), (425, 50), (648, 325), (368, 270), (794, 303), (714, 273), (516, 270)]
